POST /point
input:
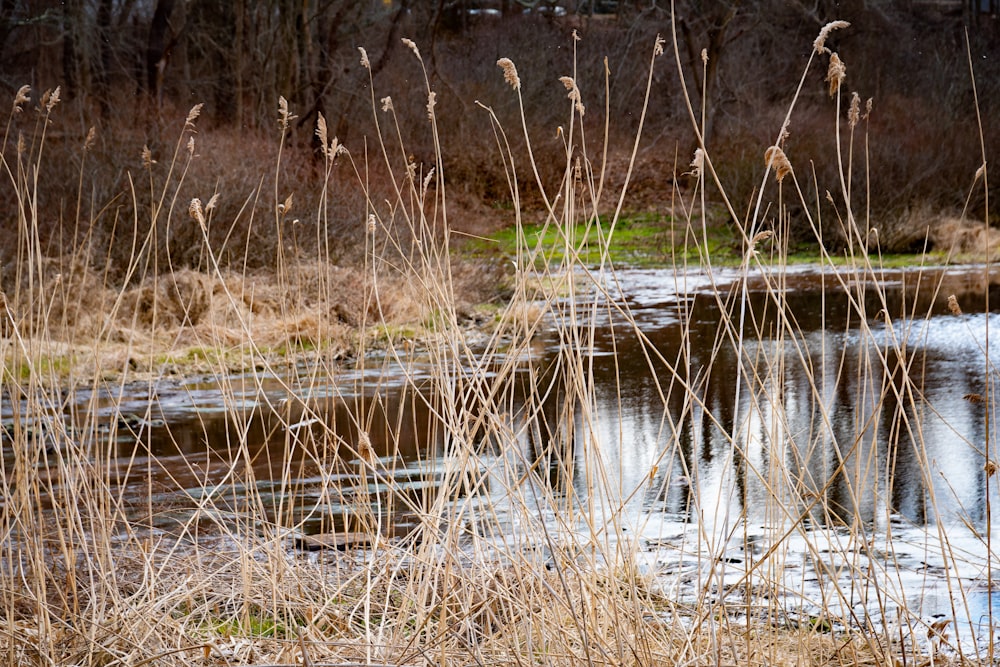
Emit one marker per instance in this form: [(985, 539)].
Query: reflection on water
[(834, 416), (839, 400)]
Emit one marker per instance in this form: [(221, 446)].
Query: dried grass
[(527, 572)]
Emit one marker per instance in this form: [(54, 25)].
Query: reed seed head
[(321, 129), (975, 398), (212, 203), (431, 103), (836, 73), (387, 104), (990, 467), (193, 116), (509, 73), (22, 96), (365, 450), (364, 58), (372, 223), (820, 43), (412, 46), (953, 306), (284, 115), (574, 93), (196, 211), (147, 157), (759, 237), (980, 172), (330, 147), (658, 46), (190, 146), (854, 112), (704, 56), (775, 158), (50, 99), (698, 163), (88, 143)]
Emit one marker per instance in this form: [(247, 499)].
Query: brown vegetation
[(909, 60), (501, 566)]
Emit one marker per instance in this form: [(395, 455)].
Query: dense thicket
[(132, 68)]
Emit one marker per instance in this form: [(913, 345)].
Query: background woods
[(133, 68)]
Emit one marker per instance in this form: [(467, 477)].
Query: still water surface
[(859, 407)]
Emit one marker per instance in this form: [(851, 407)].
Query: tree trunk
[(157, 52)]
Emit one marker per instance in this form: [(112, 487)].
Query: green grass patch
[(643, 240), (650, 240)]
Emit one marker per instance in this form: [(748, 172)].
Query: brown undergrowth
[(176, 323)]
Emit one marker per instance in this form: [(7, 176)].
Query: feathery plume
[(431, 103), (285, 206), (193, 116), (836, 73), (284, 115), (197, 213), (776, 159), (372, 223), (975, 398), (365, 450), (147, 157), (212, 203), (88, 143), (387, 104), (330, 147), (190, 146), (759, 237), (21, 97), (412, 46), (953, 306), (574, 92), (364, 58), (51, 99), (658, 46), (698, 163), (854, 112), (321, 129), (820, 43), (509, 73)]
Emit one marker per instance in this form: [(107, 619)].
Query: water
[(785, 448)]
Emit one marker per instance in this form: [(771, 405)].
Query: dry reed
[(524, 545)]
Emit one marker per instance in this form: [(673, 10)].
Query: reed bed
[(527, 548)]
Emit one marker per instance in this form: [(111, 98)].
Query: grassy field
[(87, 578)]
